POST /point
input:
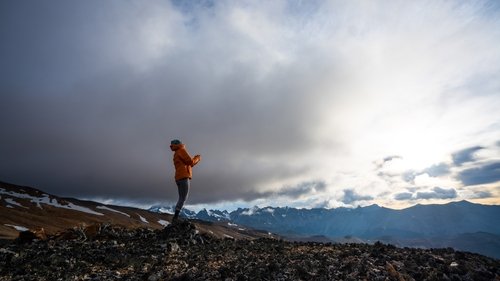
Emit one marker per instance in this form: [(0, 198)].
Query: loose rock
[(181, 252)]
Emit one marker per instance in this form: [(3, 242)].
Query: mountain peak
[(463, 202)]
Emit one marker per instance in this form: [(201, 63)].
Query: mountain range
[(461, 225)]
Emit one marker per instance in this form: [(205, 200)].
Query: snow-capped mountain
[(171, 210), (418, 226), (213, 215), (375, 221)]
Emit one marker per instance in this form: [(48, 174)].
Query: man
[(183, 172)]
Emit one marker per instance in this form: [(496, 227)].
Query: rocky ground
[(181, 252)]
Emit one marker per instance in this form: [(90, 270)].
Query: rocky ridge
[(182, 252)]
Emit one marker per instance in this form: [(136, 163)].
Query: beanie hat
[(175, 142)]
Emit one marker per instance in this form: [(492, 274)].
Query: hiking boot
[(176, 217)]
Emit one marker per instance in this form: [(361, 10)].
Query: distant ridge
[(426, 226)]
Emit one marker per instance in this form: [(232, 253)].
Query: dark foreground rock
[(180, 252)]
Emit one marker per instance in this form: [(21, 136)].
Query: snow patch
[(17, 227), (74, 207), (9, 206), (268, 210), (163, 222), (250, 212), (228, 236), (112, 210), (231, 224), (52, 202), (12, 202), (144, 220)]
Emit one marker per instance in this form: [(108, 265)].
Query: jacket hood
[(175, 147)]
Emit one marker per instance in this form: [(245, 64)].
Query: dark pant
[(183, 188)]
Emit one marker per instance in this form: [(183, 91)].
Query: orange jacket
[(183, 162)]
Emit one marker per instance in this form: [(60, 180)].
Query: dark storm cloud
[(350, 196), (488, 173), (438, 193), (465, 155), (90, 101)]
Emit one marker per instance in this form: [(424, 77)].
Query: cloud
[(403, 196), (409, 176), (482, 194), (350, 196), (488, 173), (295, 191), (303, 188), (113, 127), (435, 193), (465, 155), (437, 170), (438, 193), (390, 158), (92, 93)]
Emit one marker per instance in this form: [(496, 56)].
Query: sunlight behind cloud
[(372, 97)]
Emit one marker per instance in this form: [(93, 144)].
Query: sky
[(290, 103)]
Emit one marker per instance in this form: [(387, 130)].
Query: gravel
[(180, 252)]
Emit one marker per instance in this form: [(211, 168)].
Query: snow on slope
[(12, 202), (48, 201), (17, 227), (112, 210), (144, 220), (163, 222)]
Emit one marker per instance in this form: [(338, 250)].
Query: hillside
[(182, 252), (23, 208)]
